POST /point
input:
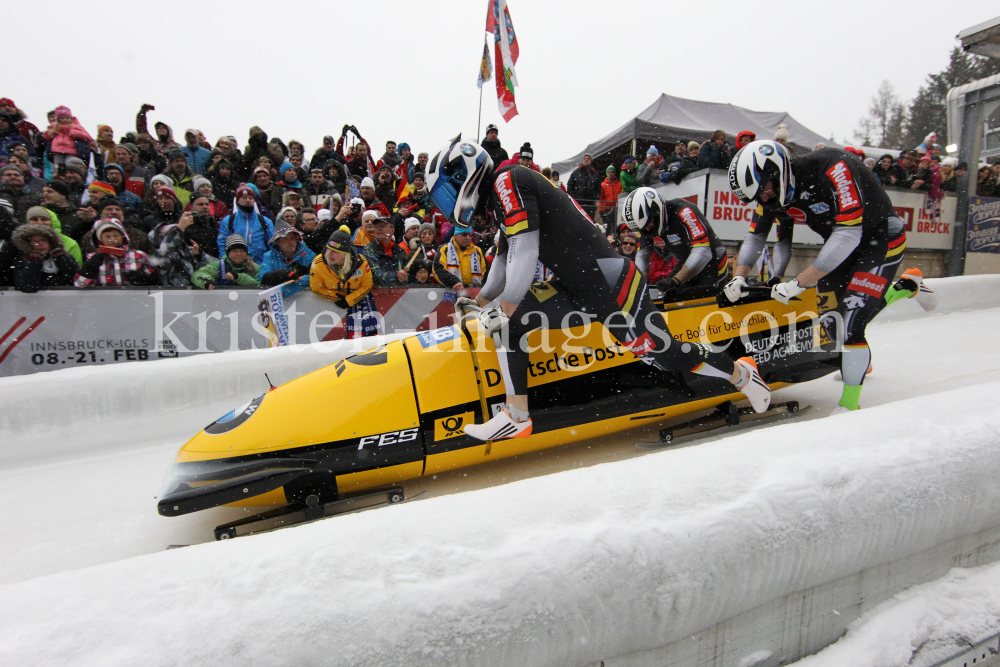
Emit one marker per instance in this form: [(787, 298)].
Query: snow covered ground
[(546, 559)]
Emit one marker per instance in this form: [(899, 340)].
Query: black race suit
[(840, 199), (542, 223), (692, 241)]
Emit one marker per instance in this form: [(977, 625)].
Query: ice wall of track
[(566, 569), (109, 408)]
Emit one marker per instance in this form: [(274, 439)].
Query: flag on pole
[(271, 306), (485, 67), (505, 54)]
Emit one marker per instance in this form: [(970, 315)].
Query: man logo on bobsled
[(539, 222)]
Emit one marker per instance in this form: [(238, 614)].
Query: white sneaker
[(752, 386), (501, 427), (925, 296)]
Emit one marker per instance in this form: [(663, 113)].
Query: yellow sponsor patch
[(452, 426), (543, 291), (826, 301)]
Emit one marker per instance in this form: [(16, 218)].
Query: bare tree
[(883, 126)]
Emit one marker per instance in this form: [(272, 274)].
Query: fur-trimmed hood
[(23, 233)]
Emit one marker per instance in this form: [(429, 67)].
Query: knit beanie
[(37, 212), (58, 186), (427, 227), (200, 181), (235, 241), (77, 165), (526, 151), (168, 191), (693, 145), (781, 133), (101, 186)]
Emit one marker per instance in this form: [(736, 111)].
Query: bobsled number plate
[(431, 338)]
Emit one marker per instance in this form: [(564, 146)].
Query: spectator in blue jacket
[(288, 259), (197, 156), (247, 221)]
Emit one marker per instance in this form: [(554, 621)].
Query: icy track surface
[(560, 569)]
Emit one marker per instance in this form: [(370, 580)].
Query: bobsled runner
[(362, 425)]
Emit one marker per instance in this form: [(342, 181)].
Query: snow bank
[(560, 570), (954, 295), (922, 626), (113, 408)]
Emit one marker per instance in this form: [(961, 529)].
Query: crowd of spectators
[(145, 209)]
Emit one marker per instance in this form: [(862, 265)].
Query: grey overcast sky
[(406, 69)]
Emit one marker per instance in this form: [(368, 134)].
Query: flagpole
[(479, 123)]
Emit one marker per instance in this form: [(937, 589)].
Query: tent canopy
[(670, 119)]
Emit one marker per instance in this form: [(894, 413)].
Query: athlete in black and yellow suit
[(540, 222)]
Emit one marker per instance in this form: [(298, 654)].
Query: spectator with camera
[(179, 254), (316, 232), (289, 259), (385, 187), (249, 223), (114, 262), (234, 268)]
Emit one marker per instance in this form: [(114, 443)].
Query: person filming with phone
[(114, 263)]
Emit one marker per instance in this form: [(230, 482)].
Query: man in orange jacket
[(611, 187)]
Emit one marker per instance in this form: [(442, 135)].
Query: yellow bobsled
[(398, 411)]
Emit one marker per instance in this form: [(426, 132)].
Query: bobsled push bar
[(726, 414)]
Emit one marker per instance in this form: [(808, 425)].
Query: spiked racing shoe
[(501, 427), (752, 386), (924, 295)]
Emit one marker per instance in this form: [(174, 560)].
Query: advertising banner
[(984, 225), (730, 218), (65, 328)]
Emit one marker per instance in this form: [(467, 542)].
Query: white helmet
[(642, 206), (456, 177), (755, 165)]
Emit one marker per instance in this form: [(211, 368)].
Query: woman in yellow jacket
[(342, 275)]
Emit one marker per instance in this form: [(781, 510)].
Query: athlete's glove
[(736, 289), (668, 288), (492, 320), (465, 305), (785, 292)]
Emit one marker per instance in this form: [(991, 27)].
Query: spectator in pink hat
[(64, 132)]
